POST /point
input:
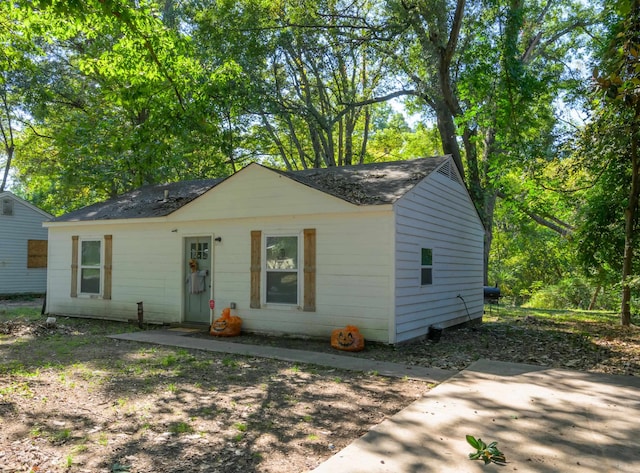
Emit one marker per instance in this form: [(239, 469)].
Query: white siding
[(353, 274), (353, 258), (15, 230), (260, 192), (367, 258), (437, 214), (145, 267)]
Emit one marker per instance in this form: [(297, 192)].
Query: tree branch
[(452, 43), (562, 228), (33, 130), (383, 98)]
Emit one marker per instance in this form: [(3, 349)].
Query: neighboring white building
[(23, 246), (392, 248)]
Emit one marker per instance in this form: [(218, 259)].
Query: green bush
[(571, 293)]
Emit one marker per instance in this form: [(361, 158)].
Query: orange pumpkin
[(347, 339), (227, 325)]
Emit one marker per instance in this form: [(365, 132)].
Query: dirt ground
[(73, 400)]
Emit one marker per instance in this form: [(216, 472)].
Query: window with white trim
[(90, 273), (426, 267), (282, 270)]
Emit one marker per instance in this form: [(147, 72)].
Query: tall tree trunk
[(341, 141), (7, 138), (277, 141), (317, 148), (302, 155), (7, 166), (490, 204), (630, 219), (365, 135), (350, 125), (594, 298), (448, 133)]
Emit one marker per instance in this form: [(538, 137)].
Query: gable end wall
[(437, 214), (25, 224)]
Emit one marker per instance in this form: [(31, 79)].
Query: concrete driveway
[(544, 420)]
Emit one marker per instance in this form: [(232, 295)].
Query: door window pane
[(199, 250)]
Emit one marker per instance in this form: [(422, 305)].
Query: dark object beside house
[(492, 295), (434, 333)]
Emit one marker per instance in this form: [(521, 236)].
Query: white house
[(392, 248), (23, 246)]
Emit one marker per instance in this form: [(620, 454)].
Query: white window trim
[(264, 270), (81, 267)]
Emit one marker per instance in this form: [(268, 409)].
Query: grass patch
[(169, 360), (178, 428), (80, 449), (17, 368), (16, 389), (60, 436), (229, 362), (512, 314)]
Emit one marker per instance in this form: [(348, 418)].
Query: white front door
[(198, 280)]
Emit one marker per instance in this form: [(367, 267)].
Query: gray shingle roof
[(146, 201), (365, 184), (368, 184)]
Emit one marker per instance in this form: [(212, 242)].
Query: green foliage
[(392, 139), (610, 144), (568, 293), (106, 95), (526, 256), (487, 453), (117, 104)]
